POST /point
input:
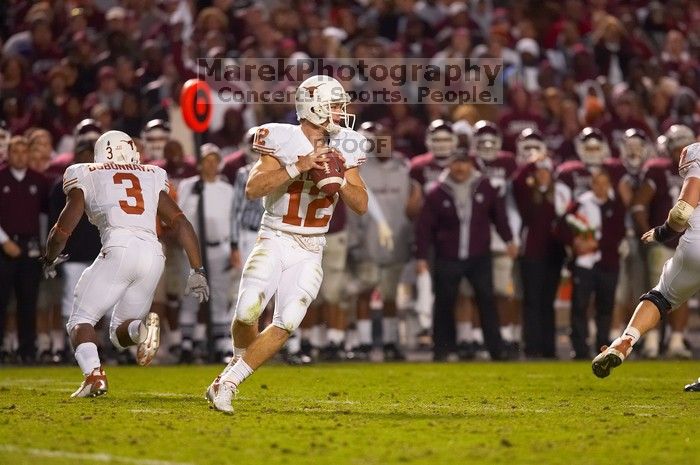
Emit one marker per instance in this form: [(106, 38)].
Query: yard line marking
[(101, 457)]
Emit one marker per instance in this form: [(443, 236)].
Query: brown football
[(329, 179)]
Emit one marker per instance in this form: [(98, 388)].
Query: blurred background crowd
[(499, 231)]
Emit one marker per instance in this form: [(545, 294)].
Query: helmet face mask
[(116, 147), (591, 147), (529, 148), (487, 140), (155, 135), (321, 100), (441, 143), (634, 151)]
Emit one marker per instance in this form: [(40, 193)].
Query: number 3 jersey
[(298, 206), (120, 199)]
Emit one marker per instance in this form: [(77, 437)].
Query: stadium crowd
[(494, 225)]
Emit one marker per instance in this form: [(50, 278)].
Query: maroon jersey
[(514, 122), (499, 170), (662, 175), (425, 170), (574, 178)]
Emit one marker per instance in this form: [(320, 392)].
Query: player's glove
[(49, 268), (197, 285), (386, 236)]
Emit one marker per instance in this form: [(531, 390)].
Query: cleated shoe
[(149, 347), (223, 396), (611, 357), (213, 388), (94, 384), (693, 387)]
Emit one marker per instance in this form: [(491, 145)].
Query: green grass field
[(520, 413)]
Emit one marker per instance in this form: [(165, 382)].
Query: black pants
[(540, 280), (446, 278), (587, 282), (21, 276)]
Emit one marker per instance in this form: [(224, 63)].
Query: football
[(329, 179)]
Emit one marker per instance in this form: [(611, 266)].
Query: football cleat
[(611, 356), (213, 388), (693, 387), (222, 395), (94, 384), (146, 351)]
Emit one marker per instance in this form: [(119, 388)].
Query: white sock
[(632, 334), (175, 337), (58, 340), (200, 332), (364, 332), (507, 333), (478, 336), (237, 373), (336, 336), (318, 337), (137, 331), (464, 331), (390, 330), (294, 343), (676, 339), (43, 342), (87, 358), (517, 332)]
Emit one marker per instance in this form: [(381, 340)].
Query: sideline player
[(680, 278), (286, 261), (122, 198)]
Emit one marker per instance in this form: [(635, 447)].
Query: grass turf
[(520, 413)]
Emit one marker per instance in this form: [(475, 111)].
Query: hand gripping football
[(330, 178)]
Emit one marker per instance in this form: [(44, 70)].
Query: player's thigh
[(100, 287), (680, 276), (71, 274), (138, 296), (333, 264), (389, 281), (298, 287), (259, 278)]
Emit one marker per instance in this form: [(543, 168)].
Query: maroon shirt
[(425, 170), (662, 175), (513, 123), (577, 176), (232, 163), (21, 202), (499, 170), (536, 207), (440, 226), (339, 218)]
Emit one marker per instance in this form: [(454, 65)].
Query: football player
[(123, 199), (286, 260), (659, 189), (155, 135), (679, 278), (441, 141)]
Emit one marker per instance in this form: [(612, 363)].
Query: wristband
[(292, 170), (664, 233), (199, 270)]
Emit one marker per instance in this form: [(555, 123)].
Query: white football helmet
[(591, 147), (116, 147), (529, 144), (678, 136), (635, 149), (313, 100), (155, 135), (487, 140), (441, 140)]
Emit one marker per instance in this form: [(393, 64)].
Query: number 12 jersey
[(120, 199), (298, 206)]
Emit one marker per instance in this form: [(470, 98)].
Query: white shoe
[(678, 350), (651, 344), (94, 384), (223, 395), (213, 388), (149, 347)]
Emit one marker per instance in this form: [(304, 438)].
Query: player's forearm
[(355, 197), (188, 240), (262, 183), (56, 243)]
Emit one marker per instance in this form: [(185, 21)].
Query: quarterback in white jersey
[(124, 199), (286, 260), (680, 278)]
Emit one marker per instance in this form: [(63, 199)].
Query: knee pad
[(290, 317), (656, 298), (79, 317), (250, 306)]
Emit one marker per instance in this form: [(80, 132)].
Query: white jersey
[(120, 199), (298, 206)]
